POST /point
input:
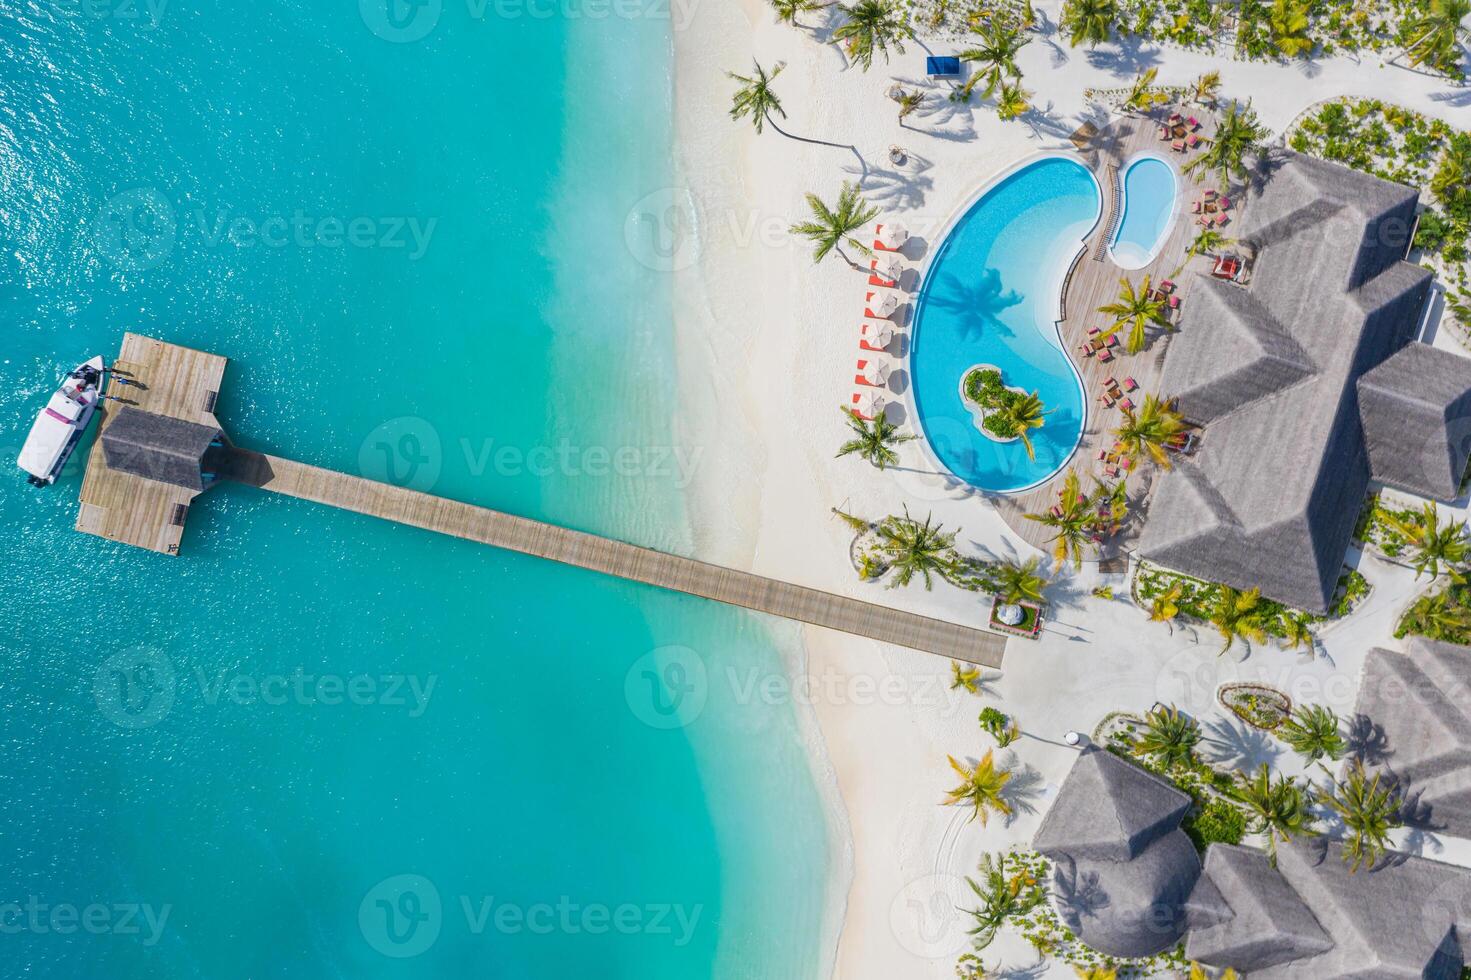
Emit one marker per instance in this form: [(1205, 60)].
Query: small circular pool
[(1149, 205), (991, 295)]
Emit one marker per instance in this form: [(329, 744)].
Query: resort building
[(1307, 384), (1122, 867), (1312, 917), (1413, 723)]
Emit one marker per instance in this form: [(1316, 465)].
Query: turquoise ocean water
[(318, 745)]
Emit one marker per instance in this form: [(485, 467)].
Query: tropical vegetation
[(872, 27), (1136, 310), (1006, 412), (1313, 732), (994, 58), (1151, 431), (1080, 520), (1368, 811), (1089, 22), (830, 228), (873, 441), (1169, 737), (1005, 892), (982, 787), (1276, 808), (1239, 140)]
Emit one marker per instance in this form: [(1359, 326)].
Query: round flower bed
[(1256, 704), (983, 392), (864, 554)]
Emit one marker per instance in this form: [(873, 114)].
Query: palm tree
[(1097, 972), (967, 677), (787, 10), (1451, 183), (1436, 32), (1073, 521), (1238, 137), (1277, 808), (1019, 581), (1141, 93), (1297, 631), (909, 103), (832, 227), (1208, 241), (873, 26), (874, 440), (1368, 812), (1312, 732), (1012, 101), (1166, 606), (981, 788), (1289, 22), (1236, 615), (995, 58), (912, 548), (1088, 20), (1434, 545), (1169, 737), (1152, 430), (1135, 309), (1022, 414), (756, 99), (1205, 88), (1003, 896)]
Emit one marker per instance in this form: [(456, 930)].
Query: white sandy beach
[(767, 343)]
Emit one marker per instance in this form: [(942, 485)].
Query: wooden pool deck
[(183, 383), (1094, 282)]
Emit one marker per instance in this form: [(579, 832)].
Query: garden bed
[(1197, 597), (1259, 706), (1030, 625)]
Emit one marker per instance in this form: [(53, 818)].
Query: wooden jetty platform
[(143, 512)]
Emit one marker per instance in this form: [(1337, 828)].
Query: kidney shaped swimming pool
[(991, 297)]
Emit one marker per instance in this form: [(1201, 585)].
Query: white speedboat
[(62, 423)]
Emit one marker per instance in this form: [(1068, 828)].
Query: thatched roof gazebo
[(159, 448)]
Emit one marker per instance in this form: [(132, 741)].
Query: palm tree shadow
[(1021, 792), (979, 302), (1043, 124), (1367, 741), (943, 117), (1128, 58), (896, 188), (1035, 971), (1078, 896), (1239, 745)]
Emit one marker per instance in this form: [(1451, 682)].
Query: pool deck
[(1094, 282)]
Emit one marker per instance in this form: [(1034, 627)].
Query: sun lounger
[(1130, 384), (1094, 331), (1087, 350), (1178, 146), (1112, 341), (1174, 118), (1106, 399), (1221, 220), (1109, 382), (1193, 123), (1195, 207), (1192, 141), (1112, 471), (1105, 355), (1210, 194), (1225, 203), (1168, 285), (1165, 132), (1174, 302), (1127, 404), (942, 66), (1102, 455)]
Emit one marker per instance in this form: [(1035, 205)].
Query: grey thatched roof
[(1417, 705), (157, 447), (1271, 497), (1244, 913), (1416, 413), (1109, 810), (1122, 868), (1313, 918)]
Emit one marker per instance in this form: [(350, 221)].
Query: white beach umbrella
[(889, 267), (879, 334), (877, 373), (884, 304), (870, 403), (893, 235)]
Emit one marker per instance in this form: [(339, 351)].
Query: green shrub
[(1217, 822)]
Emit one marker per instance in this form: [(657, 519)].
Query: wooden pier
[(139, 512)]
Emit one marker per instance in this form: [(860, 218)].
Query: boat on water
[(62, 423)]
